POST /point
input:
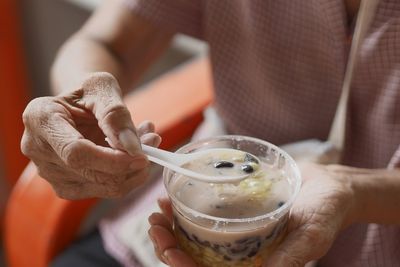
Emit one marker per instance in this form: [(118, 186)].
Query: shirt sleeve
[(183, 16)]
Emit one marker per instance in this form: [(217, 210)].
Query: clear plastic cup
[(216, 241)]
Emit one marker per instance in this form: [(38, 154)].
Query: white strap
[(365, 16)]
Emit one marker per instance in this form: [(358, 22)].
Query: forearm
[(80, 57), (113, 41), (377, 196)]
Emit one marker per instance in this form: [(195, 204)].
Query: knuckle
[(116, 180), (35, 110), (100, 76), (72, 155), (30, 110), (114, 111), (27, 146), (93, 176), (102, 83), (88, 174)]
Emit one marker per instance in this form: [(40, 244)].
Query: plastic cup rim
[(277, 213)]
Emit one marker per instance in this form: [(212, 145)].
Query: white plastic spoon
[(174, 161)]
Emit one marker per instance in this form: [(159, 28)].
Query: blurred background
[(31, 32)]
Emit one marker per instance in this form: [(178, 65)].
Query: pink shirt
[(278, 68)]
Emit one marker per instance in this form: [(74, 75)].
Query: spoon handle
[(160, 157), (158, 154)]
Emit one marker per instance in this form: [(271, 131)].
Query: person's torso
[(278, 70)]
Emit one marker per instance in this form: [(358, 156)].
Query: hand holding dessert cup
[(228, 224), (193, 231)]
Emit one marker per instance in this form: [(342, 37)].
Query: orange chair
[(13, 86), (39, 225)]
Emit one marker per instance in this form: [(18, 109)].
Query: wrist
[(354, 202), (359, 201), (376, 197)]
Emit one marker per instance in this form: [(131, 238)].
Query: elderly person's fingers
[(165, 246), (177, 258), (101, 95), (147, 135), (83, 154), (60, 137), (69, 184), (162, 240), (166, 208), (160, 219), (145, 127), (56, 142), (65, 135), (151, 139)]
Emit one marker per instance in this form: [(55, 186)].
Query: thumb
[(102, 95)]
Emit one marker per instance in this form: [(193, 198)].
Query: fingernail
[(160, 203), (150, 220), (129, 141), (110, 143), (153, 240), (166, 256)]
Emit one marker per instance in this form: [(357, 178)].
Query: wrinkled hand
[(323, 207), (65, 137)]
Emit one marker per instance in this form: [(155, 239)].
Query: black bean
[(195, 238), (184, 233), (247, 168), (223, 164), (206, 243), (241, 241), (252, 253), (270, 235), (239, 249), (248, 240), (251, 158)]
